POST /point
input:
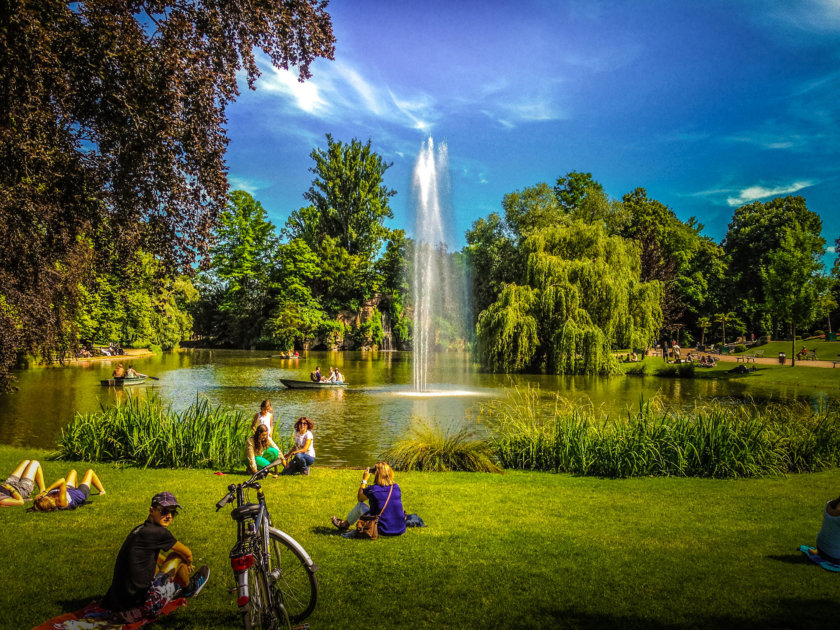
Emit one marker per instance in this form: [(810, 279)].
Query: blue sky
[(707, 105)]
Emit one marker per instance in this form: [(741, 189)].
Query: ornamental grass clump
[(431, 447), (715, 440), (147, 433)]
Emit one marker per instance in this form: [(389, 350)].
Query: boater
[(152, 568), (18, 486), (63, 494)]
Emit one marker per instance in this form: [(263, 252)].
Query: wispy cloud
[(753, 193), (831, 250), (250, 186)]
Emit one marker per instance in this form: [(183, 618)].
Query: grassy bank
[(519, 550)]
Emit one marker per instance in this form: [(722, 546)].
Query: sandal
[(340, 524)]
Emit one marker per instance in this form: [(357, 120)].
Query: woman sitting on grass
[(18, 486), (302, 456), (64, 495), (828, 540), (260, 449), (392, 519)]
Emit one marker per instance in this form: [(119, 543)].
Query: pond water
[(353, 425)]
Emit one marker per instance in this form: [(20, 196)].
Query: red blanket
[(93, 617)]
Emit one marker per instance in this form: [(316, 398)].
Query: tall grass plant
[(715, 440), (432, 447)]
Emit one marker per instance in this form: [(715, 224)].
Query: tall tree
[(534, 208), (574, 187), (791, 280), (112, 137), (755, 232)]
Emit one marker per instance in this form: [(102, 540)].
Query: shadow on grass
[(325, 530), (793, 558), (72, 605), (791, 613)]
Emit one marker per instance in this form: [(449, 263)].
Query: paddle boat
[(121, 382), (292, 384)]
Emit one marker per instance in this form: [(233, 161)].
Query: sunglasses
[(165, 511)]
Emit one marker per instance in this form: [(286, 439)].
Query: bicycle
[(275, 577)]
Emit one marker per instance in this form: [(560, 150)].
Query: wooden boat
[(292, 384), (121, 382), (284, 356)]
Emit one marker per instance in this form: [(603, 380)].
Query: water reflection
[(353, 425)]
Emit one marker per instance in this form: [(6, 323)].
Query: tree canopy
[(112, 137)]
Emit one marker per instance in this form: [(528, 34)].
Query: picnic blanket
[(94, 617), (814, 557)]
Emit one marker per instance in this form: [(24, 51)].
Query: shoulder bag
[(368, 525)]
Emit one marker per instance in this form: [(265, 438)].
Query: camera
[(371, 469)]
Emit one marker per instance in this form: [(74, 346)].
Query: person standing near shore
[(265, 416)]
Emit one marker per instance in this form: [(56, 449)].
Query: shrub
[(740, 348), (741, 440), (636, 369), (819, 333), (431, 447)]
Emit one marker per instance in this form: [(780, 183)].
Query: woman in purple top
[(392, 519), (65, 495)]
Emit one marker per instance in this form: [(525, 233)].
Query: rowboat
[(121, 382), (291, 384)]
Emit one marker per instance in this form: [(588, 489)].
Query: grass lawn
[(826, 350), (519, 550)]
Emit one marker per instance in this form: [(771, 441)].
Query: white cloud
[(248, 185), (831, 250), (752, 193)]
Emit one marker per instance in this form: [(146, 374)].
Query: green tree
[(574, 188), (242, 259), (533, 208), (705, 323), (492, 261), (395, 269), (113, 139), (581, 296), (727, 318), (790, 280), (755, 232)]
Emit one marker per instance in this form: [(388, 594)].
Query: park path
[(728, 358)]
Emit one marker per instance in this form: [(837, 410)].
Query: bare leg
[(70, 479), (90, 478), (35, 473), (174, 565), (18, 472)]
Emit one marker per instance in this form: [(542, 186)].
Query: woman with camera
[(384, 493)]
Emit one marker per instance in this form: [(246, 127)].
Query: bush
[(431, 447), (680, 370), (740, 348), (636, 369), (716, 440), (819, 333)]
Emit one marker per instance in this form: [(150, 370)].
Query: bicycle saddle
[(249, 510)]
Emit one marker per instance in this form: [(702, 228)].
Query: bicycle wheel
[(257, 615), (292, 582)]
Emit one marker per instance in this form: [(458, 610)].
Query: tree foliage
[(112, 138), (581, 295)]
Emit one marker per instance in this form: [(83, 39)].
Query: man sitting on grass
[(146, 577)]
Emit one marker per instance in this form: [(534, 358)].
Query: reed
[(147, 433), (714, 440), (432, 447)]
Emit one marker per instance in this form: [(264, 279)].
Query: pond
[(353, 425)]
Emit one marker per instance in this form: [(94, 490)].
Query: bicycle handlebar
[(252, 482)]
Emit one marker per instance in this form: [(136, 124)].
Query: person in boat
[(339, 377), (18, 486), (264, 416), (260, 449), (316, 375), (64, 494), (331, 378), (302, 456), (392, 518), (152, 567), (131, 372), (296, 355), (120, 371)]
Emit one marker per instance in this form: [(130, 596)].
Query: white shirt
[(300, 440), (264, 419)]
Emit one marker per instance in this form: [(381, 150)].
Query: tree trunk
[(792, 344)]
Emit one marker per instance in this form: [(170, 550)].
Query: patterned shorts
[(161, 591), (22, 486)]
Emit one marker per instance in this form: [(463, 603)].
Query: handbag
[(367, 526)]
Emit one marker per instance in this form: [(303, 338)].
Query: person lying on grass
[(152, 567), (260, 449), (18, 486), (64, 495), (392, 519)]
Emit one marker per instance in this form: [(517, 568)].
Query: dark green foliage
[(574, 189), (679, 370), (716, 440), (434, 448), (113, 140)]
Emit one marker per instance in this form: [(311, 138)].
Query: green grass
[(826, 350), (713, 440), (519, 550), (432, 447)]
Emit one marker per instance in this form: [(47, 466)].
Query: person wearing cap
[(152, 567)]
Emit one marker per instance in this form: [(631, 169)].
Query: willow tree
[(580, 297)]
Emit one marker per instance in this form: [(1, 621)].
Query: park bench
[(834, 363), (811, 355), (751, 357)]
